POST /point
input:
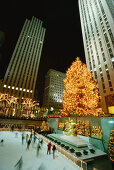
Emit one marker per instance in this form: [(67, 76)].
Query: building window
[(103, 85), (111, 89), (110, 84)]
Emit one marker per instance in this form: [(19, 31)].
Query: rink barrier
[(77, 161), (19, 130)]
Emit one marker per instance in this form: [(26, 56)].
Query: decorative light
[(80, 96), (8, 87), (4, 85), (97, 131), (20, 89), (16, 88), (31, 91), (27, 90), (12, 87), (111, 146), (24, 90)]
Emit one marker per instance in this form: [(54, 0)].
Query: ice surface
[(12, 150)]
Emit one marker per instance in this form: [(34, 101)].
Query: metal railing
[(80, 163)]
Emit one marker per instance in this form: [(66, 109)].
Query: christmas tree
[(111, 146), (81, 93)]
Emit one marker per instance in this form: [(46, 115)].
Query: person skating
[(34, 138), (19, 164), (23, 137), (54, 148), (49, 148), (27, 136), (41, 141), (31, 136), (28, 143), (38, 148)]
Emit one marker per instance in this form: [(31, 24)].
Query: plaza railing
[(78, 162)]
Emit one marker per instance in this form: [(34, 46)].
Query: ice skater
[(34, 139), (27, 136), (19, 164), (2, 141), (16, 135), (49, 148), (54, 149), (38, 148), (28, 144), (23, 137), (41, 141)]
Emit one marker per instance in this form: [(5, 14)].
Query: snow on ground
[(12, 149)]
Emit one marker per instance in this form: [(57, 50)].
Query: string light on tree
[(111, 146), (29, 104), (81, 93)]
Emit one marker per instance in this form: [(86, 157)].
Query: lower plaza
[(12, 149)]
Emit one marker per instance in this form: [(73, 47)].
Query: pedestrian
[(23, 137), (34, 138), (41, 141), (16, 135), (27, 138), (28, 143), (38, 148), (19, 164), (2, 141), (31, 136), (54, 148), (49, 148)]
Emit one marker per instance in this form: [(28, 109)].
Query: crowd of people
[(26, 138)]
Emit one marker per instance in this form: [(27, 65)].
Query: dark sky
[(63, 39)]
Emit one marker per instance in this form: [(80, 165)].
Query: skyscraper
[(98, 37), (21, 74), (53, 91)]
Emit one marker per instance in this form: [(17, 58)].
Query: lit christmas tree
[(81, 93), (111, 146)]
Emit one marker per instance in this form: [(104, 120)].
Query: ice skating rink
[(12, 150)]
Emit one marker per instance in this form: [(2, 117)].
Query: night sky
[(63, 39)]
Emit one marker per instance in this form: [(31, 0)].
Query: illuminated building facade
[(21, 74), (53, 91), (97, 22)]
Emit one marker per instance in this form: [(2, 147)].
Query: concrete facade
[(53, 91), (98, 37), (20, 77)]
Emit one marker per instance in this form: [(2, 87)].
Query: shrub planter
[(92, 151), (78, 154), (66, 147), (85, 152), (71, 150), (62, 145), (58, 143)]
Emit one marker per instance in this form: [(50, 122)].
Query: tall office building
[(53, 91), (21, 74), (98, 37)]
